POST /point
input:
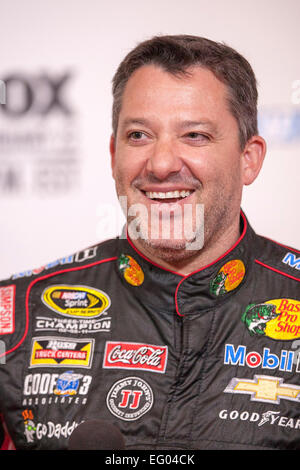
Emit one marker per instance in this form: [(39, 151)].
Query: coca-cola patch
[(7, 309), (121, 355)]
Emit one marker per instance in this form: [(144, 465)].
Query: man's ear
[(112, 149), (252, 158)]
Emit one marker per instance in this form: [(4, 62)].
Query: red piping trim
[(198, 270), (41, 279), (208, 265), (7, 443), (277, 271)]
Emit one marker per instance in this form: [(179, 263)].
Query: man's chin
[(166, 244), (171, 250)]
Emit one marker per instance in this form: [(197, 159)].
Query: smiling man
[(184, 332), (176, 142)]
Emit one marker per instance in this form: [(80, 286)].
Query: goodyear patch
[(76, 301), (131, 270), (48, 351), (228, 278), (278, 319)]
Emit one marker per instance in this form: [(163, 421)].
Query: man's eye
[(136, 135), (196, 136)]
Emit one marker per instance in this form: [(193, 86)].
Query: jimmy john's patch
[(76, 301), (130, 398), (131, 270), (51, 351), (7, 309), (278, 319), (228, 278)]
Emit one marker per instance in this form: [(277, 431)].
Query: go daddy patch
[(278, 319), (76, 301)]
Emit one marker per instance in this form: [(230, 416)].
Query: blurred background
[(58, 58)]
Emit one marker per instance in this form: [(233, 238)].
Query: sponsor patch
[(287, 361), (130, 398), (29, 426), (120, 355), (79, 257), (264, 388), (7, 309), (74, 326), (292, 260), (35, 432), (131, 270), (47, 388), (67, 383), (52, 430), (228, 278), (260, 419), (278, 319), (76, 301), (61, 352)]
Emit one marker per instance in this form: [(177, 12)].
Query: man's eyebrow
[(201, 123), (138, 121), (185, 124)]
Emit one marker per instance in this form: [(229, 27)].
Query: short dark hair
[(175, 54)]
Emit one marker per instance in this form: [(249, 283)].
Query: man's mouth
[(168, 196)]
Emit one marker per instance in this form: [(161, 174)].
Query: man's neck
[(184, 265)]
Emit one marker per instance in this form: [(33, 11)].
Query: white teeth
[(168, 194)]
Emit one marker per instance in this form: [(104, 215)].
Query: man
[(184, 331)]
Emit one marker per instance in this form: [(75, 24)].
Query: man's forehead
[(151, 84), (196, 74)]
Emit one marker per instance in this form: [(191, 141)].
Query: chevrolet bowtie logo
[(264, 388)]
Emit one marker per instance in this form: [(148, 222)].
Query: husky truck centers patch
[(48, 351), (7, 309)]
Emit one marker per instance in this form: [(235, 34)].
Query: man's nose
[(164, 159)]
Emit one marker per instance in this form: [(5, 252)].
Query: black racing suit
[(204, 361)]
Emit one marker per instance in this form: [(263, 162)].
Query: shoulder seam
[(277, 270), (282, 245)]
